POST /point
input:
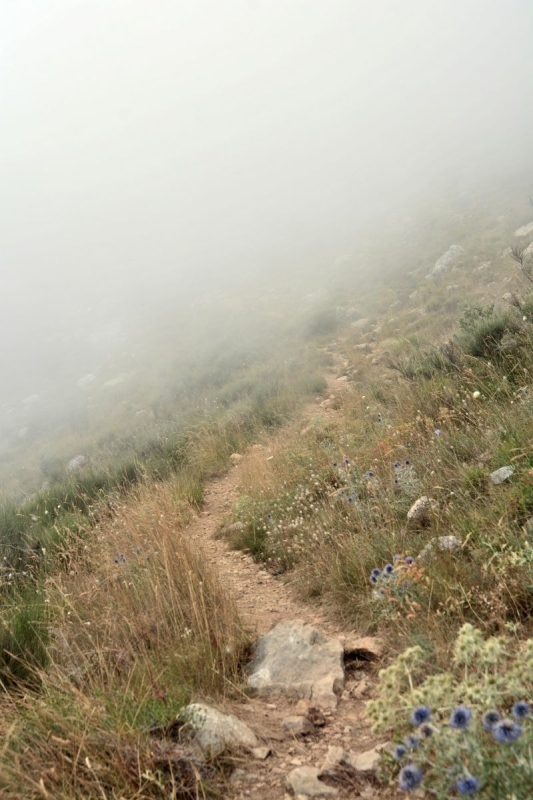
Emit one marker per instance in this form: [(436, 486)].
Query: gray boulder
[(76, 463), (443, 544), (525, 230), (501, 475), (366, 762), (297, 660), (422, 510), (214, 732), (447, 260), (297, 726), (304, 781)]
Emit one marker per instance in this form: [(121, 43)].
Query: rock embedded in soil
[(297, 726), (501, 475), (297, 660), (366, 762), (215, 732), (422, 510), (443, 544), (364, 648), (305, 781)]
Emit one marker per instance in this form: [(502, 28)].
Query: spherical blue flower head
[(460, 718), (388, 569), (376, 572), (407, 463), (369, 474), (410, 777), (399, 752), (269, 516), (506, 731), (335, 464), (412, 741), (426, 730), (374, 579), (346, 460), (420, 715), (490, 719), (520, 710), (397, 464), (467, 786), (409, 560)]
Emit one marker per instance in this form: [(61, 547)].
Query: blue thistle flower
[(412, 741), (427, 730), (376, 572), (520, 710), (490, 719), (407, 463), (438, 432), (467, 786), (506, 731), (409, 560), (420, 715), (335, 464), (346, 460), (370, 474), (374, 580), (388, 569), (460, 718), (399, 752), (410, 777), (397, 464)]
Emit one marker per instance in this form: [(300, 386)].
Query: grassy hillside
[(99, 583)]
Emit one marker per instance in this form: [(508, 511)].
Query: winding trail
[(264, 600)]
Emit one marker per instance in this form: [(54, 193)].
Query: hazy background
[(153, 151)]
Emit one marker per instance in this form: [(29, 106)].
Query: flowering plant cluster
[(398, 586), (465, 732)]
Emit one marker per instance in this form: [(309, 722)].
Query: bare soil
[(263, 601)]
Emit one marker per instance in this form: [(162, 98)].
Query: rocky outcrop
[(213, 732), (297, 660), (447, 260)]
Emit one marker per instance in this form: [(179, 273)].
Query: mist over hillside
[(189, 174)]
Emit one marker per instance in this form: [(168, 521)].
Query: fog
[(155, 151)]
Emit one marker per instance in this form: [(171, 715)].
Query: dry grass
[(139, 626)]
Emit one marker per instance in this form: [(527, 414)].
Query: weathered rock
[(364, 648), (235, 458), (76, 463), (215, 732), (304, 781), (447, 260), (366, 762), (235, 527), (449, 544), (525, 230), (421, 510), (501, 475), (527, 259), (261, 752), (361, 324), (335, 756), (297, 660), (297, 726)]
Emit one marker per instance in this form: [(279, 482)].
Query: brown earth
[(263, 601)]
